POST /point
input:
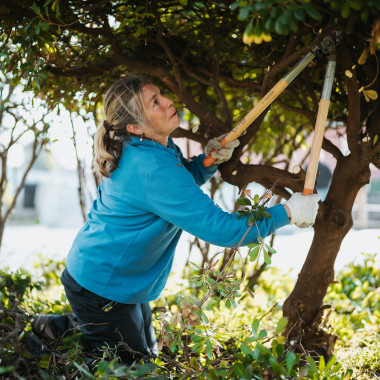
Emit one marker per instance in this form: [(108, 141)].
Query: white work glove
[(303, 209), (221, 154)]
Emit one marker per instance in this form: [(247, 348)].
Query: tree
[(16, 123), (218, 60)]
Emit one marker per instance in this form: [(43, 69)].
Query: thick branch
[(266, 175), (353, 120), (331, 148)]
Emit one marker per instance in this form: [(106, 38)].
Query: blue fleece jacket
[(125, 250)]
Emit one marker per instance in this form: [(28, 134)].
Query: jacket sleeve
[(195, 166), (200, 173), (173, 195)]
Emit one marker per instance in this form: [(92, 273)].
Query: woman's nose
[(169, 102)]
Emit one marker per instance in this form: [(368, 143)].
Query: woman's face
[(160, 112)]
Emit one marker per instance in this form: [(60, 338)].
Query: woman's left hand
[(220, 153)]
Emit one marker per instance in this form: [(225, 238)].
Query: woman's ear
[(134, 129)]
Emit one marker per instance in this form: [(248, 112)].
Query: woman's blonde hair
[(123, 105)]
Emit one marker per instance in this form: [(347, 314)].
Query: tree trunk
[(304, 306)]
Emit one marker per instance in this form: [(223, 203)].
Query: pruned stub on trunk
[(308, 330)]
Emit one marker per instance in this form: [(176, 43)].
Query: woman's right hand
[(303, 209)]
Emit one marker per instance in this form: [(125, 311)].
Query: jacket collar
[(135, 141)]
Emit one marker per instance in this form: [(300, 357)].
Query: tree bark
[(304, 306)]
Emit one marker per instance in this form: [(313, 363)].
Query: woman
[(122, 257)]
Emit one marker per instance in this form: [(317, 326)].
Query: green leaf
[(37, 81), (204, 317), (38, 27), (249, 30), (145, 369), (194, 265), (29, 24), (255, 326), (173, 345), (254, 253), (235, 5), (375, 139), (246, 350), (280, 350), (263, 350), (298, 13), (262, 334), (335, 369), (348, 374), (197, 347), (345, 11), (102, 367), (7, 369), (267, 257), (239, 369), (312, 12), (251, 219), (281, 325), (35, 9), (330, 363), (244, 201), (275, 365), (312, 364), (44, 26), (290, 360), (364, 14), (194, 362), (209, 348), (321, 364), (355, 4), (183, 2), (279, 28), (84, 371), (244, 13), (256, 198), (58, 12), (265, 214), (196, 338)]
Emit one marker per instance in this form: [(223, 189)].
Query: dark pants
[(103, 323)]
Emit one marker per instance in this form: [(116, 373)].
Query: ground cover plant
[(235, 334)]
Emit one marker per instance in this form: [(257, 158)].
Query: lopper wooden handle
[(250, 117), (316, 146), (261, 106), (319, 131)]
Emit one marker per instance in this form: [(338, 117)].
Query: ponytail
[(123, 105)]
